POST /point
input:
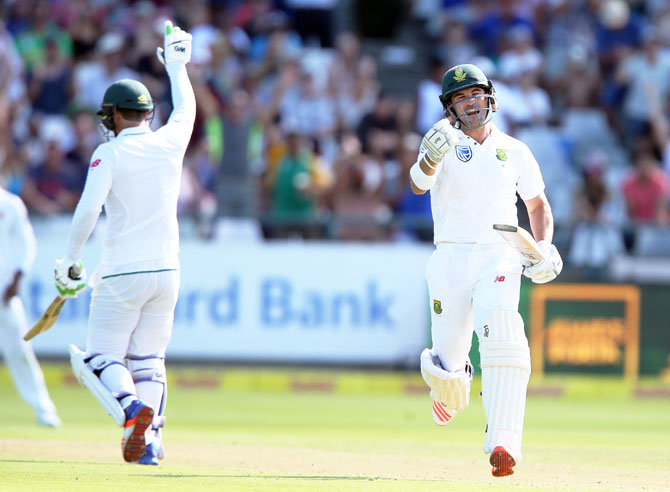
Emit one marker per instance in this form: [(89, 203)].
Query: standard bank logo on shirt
[(464, 153)]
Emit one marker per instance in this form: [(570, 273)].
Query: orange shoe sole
[(502, 462), (133, 447)]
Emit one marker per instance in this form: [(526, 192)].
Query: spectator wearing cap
[(531, 102), (654, 64), (520, 50), (618, 32), (109, 65)]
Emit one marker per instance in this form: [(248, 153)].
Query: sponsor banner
[(585, 327), (291, 302)]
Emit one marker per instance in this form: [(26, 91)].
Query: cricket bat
[(521, 240), (48, 319), (51, 314)]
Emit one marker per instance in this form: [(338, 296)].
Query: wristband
[(429, 161), (421, 180)]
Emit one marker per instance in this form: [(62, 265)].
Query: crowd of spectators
[(296, 131)]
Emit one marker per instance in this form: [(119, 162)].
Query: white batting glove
[(70, 278), (549, 268), (177, 46), (450, 388), (439, 140)]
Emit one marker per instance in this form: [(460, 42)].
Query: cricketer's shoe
[(441, 414), (151, 455), (502, 462), (48, 419), (139, 416)]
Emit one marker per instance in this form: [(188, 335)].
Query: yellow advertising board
[(592, 337)]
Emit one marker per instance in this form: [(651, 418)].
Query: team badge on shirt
[(501, 154), (464, 153), (437, 306)]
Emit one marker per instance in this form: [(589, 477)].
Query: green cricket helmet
[(126, 94), (467, 112)]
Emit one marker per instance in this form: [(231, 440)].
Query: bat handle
[(74, 272)]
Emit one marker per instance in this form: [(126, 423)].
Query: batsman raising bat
[(136, 176), (473, 172)]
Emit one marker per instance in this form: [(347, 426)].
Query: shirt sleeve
[(25, 239), (530, 182), (179, 127), (98, 183)]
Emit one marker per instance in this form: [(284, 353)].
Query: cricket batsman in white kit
[(473, 172), (17, 252), (136, 176)]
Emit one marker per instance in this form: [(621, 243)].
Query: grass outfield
[(283, 430)]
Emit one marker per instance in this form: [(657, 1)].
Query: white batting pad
[(450, 388), (505, 362), (89, 380), (150, 381)]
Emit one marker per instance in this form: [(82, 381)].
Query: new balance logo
[(499, 278)]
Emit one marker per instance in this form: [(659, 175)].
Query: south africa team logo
[(464, 153), (501, 154), (437, 306), (459, 75)]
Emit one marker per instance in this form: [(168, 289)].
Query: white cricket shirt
[(17, 239), (476, 187), (137, 177)]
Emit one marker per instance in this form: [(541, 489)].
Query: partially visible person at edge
[(17, 253)]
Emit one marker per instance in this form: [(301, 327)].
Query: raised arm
[(175, 54)]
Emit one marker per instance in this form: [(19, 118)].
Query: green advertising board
[(595, 328)]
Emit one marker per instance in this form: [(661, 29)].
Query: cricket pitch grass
[(235, 429)]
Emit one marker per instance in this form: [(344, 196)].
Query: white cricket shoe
[(441, 414), (48, 419)]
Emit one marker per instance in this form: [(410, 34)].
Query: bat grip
[(74, 272)]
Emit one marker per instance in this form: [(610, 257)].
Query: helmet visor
[(473, 112)]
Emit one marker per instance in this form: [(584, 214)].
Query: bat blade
[(47, 319), (521, 240)]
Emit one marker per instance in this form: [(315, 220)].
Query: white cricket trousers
[(20, 357), (132, 314), (466, 282)]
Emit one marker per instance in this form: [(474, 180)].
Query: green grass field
[(289, 430)]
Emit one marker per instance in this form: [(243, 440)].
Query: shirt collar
[(134, 130)]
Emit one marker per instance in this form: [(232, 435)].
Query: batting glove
[(70, 278), (439, 140), (547, 269), (177, 46)]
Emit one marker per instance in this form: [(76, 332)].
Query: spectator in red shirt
[(646, 190)]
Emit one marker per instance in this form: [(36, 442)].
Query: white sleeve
[(530, 182), (179, 127), (98, 183), (25, 239)]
